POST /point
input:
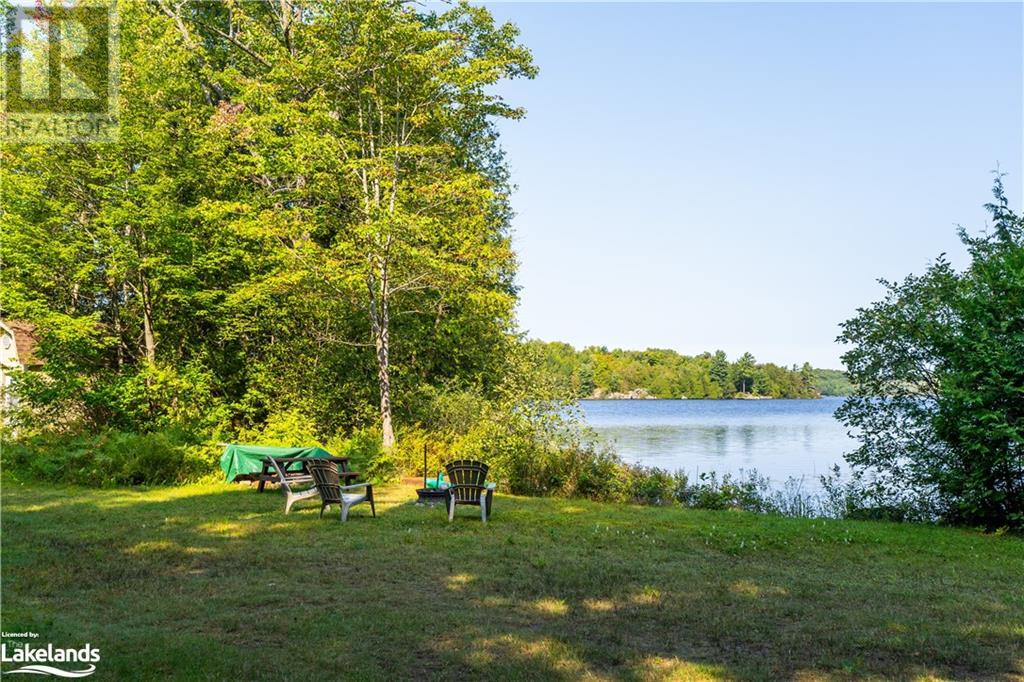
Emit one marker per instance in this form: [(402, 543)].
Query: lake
[(779, 438)]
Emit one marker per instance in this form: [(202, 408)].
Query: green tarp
[(248, 459)]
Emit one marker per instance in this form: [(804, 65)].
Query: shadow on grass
[(216, 581)]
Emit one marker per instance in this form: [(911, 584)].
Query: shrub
[(649, 485), (709, 492), (540, 456), (111, 458), (364, 452), (290, 428), (865, 497), (792, 500), (600, 474)]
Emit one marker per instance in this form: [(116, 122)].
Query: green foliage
[(655, 486), (719, 373), (747, 492), (287, 428), (743, 374), (365, 454), (833, 382), (304, 220), (112, 457), (939, 406)]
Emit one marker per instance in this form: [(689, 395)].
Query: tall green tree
[(427, 209), (743, 373), (761, 385), (808, 380), (720, 372), (939, 401), (399, 201)]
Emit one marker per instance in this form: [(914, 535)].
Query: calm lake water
[(779, 438)]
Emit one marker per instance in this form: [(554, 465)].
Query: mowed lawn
[(216, 582)]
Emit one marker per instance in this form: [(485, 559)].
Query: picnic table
[(284, 466), (294, 470)]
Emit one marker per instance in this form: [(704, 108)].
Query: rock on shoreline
[(635, 394)]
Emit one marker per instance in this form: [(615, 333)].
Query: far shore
[(627, 396)]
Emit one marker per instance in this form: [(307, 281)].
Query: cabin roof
[(26, 341)]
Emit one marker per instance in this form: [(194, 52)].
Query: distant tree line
[(833, 382), (598, 372)]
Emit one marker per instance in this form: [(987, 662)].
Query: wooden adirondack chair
[(468, 486), (325, 477)]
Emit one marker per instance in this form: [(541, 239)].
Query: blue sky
[(738, 176)]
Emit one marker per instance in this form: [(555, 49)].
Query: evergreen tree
[(720, 372), (808, 380), (743, 373), (761, 385)]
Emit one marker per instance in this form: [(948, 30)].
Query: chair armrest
[(282, 476), (356, 485)]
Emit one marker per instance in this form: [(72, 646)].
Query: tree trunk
[(147, 321), (115, 311), (380, 328)]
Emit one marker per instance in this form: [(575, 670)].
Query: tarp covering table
[(241, 460)]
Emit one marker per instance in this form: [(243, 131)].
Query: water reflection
[(780, 438)]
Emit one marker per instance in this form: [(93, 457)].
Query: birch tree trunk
[(138, 237), (378, 282), (380, 329), (149, 339)]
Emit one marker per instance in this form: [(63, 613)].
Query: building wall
[(8, 362)]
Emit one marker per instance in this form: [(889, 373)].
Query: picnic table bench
[(291, 471)]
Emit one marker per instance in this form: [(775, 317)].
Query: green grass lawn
[(215, 581)]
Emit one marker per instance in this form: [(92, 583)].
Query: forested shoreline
[(599, 373)]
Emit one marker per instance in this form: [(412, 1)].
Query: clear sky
[(737, 176)]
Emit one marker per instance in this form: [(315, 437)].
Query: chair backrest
[(467, 478), (325, 477)]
